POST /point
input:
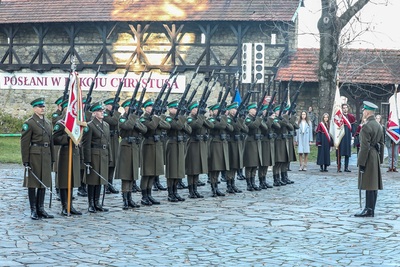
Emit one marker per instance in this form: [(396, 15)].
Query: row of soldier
[(120, 146)]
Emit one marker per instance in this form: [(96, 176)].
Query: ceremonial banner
[(393, 127), (336, 129), (75, 119)]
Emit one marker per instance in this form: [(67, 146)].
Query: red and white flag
[(75, 119), (336, 128), (393, 127)]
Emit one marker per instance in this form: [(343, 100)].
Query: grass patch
[(10, 148)]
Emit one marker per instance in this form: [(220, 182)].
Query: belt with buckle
[(42, 145)]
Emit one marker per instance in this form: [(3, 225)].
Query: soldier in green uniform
[(219, 150), (370, 158), (252, 156), (131, 130), (267, 146), (112, 117), (236, 147), (96, 150), (56, 116), (37, 156), (62, 139), (196, 160), (152, 152), (290, 145)]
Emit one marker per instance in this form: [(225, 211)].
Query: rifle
[(202, 95), (158, 101), (116, 97), (260, 103), (293, 103), (237, 75), (182, 102), (65, 93), (203, 100), (284, 99), (89, 94), (271, 103), (133, 98), (138, 110), (242, 106), (164, 103), (222, 105)]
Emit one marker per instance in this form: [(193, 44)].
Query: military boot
[(282, 179), (135, 187), (229, 188), (219, 193), (32, 203), (240, 175), (181, 185), (223, 176), (158, 185), (213, 191), (125, 205), (91, 208), (253, 184), (151, 198), (263, 185), (40, 204), (171, 196), (175, 189), (200, 183), (249, 185), (191, 191), (155, 188), (73, 211), (287, 181), (110, 189), (196, 192), (131, 203), (267, 184), (97, 204), (145, 200), (237, 190), (277, 182), (82, 192), (63, 197)]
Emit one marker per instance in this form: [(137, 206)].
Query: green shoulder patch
[(229, 120), (105, 114), (168, 119), (55, 115), (25, 127), (189, 120), (142, 119), (56, 127), (122, 120), (211, 119), (248, 120), (86, 129)]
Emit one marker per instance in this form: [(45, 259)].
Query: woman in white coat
[(303, 139)]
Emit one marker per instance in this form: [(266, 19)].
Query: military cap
[(193, 105), (287, 108), (59, 100), (173, 104), (264, 107), (64, 104), (369, 106), (96, 107), (38, 102), (126, 103), (148, 102), (234, 105), (109, 101), (251, 106), (214, 107), (277, 108)]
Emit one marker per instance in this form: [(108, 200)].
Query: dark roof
[(359, 66), (23, 11)]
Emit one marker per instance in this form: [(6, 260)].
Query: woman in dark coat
[(324, 143)]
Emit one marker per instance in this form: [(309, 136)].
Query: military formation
[(156, 137)]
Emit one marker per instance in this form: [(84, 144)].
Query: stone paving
[(309, 223)]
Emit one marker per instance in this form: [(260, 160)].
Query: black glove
[(26, 164), (362, 169)]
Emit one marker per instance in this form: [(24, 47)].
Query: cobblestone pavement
[(309, 223)]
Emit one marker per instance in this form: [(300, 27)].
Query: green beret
[(277, 108), (264, 107), (59, 100), (96, 106), (214, 107), (64, 104), (109, 101), (173, 104), (38, 102), (369, 106), (193, 105), (251, 106), (148, 102), (126, 103), (234, 105)]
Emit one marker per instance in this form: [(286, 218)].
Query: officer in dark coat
[(267, 146), (127, 168), (152, 152), (37, 156), (196, 161), (236, 147), (62, 139), (112, 117), (252, 156), (370, 158), (97, 150), (218, 149)]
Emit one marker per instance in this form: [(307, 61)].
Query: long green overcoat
[(218, 150), (252, 156), (37, 150), (371, 155), (281, 144), (235, 143), (268, 142), (112, 119)]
